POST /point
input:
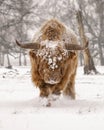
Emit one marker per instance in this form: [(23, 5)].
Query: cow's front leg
[(46, 95), (44, 90), (56, 90)]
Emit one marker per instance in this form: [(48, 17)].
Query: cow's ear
[(32, 54), (72, 54)]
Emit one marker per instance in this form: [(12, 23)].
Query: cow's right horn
[(28, 45), (76, 47)]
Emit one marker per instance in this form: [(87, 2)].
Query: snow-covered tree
[(26, 16)]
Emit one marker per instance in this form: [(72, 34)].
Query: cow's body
[(68, 78), (54, 59)]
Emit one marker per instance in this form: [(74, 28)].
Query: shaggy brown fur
[(53, 30)]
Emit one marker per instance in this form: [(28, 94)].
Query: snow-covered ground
[(21, 109)]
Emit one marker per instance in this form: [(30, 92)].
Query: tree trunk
[(1, 57), (81, 59), (100, 52), (9, 64), (25, 62), (88, 60), (20, 63), (101, 34)]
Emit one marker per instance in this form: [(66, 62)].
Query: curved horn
[(28, 45), (76, 47)]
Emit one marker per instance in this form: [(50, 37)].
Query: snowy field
[(21, 109)]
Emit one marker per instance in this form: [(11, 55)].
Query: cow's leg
[(44, 90), (46, 95), (56, 90), (70, 88), (48, 89)]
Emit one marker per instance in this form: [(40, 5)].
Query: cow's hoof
[(54, 97), (44, 101), (47, 101), (48, 104)]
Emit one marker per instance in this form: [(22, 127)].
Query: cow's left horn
[(28, 45), (76, 47)]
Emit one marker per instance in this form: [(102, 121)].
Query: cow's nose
[(54, 78)]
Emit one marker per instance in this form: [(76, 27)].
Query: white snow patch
[(49, 61), (50, 44)]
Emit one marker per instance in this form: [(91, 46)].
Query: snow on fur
[(52, 52)]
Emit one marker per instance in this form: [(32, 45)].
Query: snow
[(21, 108), (76, 5), (50, 44)]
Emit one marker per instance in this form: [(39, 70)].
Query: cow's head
[(52, 52), (52, 57)]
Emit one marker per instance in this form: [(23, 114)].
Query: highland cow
[(54, 58)]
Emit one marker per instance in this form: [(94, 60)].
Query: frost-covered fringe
[(52, 52)]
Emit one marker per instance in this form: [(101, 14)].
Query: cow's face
[(51, 74), (52, 63)]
